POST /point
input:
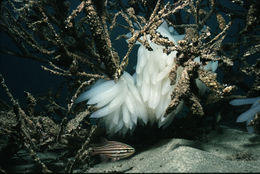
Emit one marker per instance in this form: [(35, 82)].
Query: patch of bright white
[(211, 66), (152, 71), (119, 104), (249, 115), (145, 96)]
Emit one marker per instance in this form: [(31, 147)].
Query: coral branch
[(25, 123), (78, 157), (103, 43)]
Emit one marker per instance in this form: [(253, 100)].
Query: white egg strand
[(143, 97)]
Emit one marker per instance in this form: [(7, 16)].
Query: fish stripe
[(114, 150)]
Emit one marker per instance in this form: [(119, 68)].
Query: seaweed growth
[(76, 43)]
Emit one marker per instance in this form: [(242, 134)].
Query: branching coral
[(75, 40), (146, 95), (165, 81)]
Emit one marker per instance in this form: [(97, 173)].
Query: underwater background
[(56, 135)]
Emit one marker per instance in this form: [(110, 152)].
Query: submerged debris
[(77, 41)]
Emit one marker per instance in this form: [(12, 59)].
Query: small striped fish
[(113, 150)]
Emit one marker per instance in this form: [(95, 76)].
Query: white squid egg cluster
[(249, 115), (143, 97), (120, 104), (152, 71)]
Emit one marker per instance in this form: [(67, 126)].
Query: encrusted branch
[(25, 123), (183, 91), (75, 42), (79, 154), (102, 40)]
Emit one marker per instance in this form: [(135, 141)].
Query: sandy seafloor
[(222, 150), (229, 150)]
